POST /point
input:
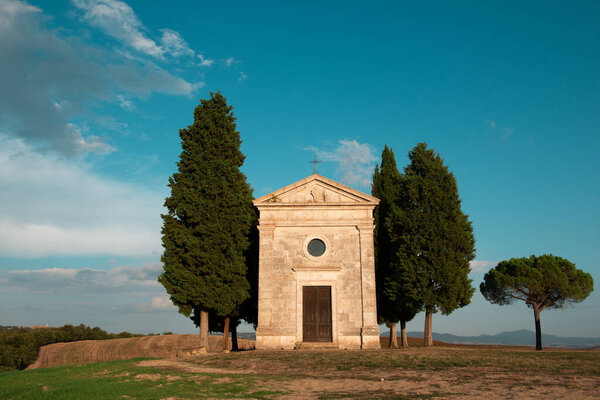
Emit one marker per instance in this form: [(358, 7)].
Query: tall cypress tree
[(210, 212), (248, 310), (435, 237), (395, 303), (385, 187)]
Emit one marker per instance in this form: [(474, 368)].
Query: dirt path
[(277, 373)]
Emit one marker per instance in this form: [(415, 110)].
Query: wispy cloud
[(55, 77), (243, 76), (229, 61), (46, 280), (92, 143), (174, 44), (12, 9), (205, 62), (507, 132), (481, 265), (355, 161), (491, 125), (117, 299), (118, 20), (125, 104), (53, 207)]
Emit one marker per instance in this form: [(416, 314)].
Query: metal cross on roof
[(314, 163)]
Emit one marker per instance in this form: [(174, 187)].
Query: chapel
[(316, 267)]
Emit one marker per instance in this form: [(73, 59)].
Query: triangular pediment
[(318, 190)]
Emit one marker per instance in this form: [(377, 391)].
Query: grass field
[(124, 380), (415, 373)]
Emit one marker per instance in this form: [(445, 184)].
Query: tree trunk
[(234, 339), (204, 330), (226, 335), (403, 333), (428, 336), (538, 329), (393, 344)]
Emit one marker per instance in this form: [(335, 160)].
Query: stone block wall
[(347, 266)]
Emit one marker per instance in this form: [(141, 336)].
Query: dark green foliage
[(248, 310), (541, 282), (395, 302), (546, 282), (210, 212), (19, 347), (433, 238)]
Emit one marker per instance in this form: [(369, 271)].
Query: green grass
[(245, 374), (122, 380)]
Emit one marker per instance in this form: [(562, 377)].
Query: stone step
[(317, 346)]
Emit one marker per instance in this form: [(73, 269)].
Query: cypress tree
[(393, 304), (209, 216), (248, 310), (435, 238)]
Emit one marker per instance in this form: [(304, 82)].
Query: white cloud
[(491, 125), (117, 19), (125, 104), (91, 143), (355, 161), (161, 302), (205, 62), (120, 298), (97, 286), (229, 61), (87, 280), (507, 132), (243, 76), (53, 207), (54, 77), (481, 265), (174, 44), (11, 9)]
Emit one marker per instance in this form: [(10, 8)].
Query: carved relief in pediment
[(316, 194), (316, 190)]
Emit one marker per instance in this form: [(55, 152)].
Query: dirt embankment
[(164, 346), (89, 351)]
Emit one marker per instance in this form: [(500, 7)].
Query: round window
[(316, 247)]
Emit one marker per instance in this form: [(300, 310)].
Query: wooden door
[(316, 311)]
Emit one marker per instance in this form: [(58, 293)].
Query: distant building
[(316, 267)]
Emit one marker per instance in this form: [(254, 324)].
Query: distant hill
[(521, 337), (247, 335)]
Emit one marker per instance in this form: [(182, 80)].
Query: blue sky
[(93, 93)]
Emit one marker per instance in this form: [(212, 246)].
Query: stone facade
[(341, 218)]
